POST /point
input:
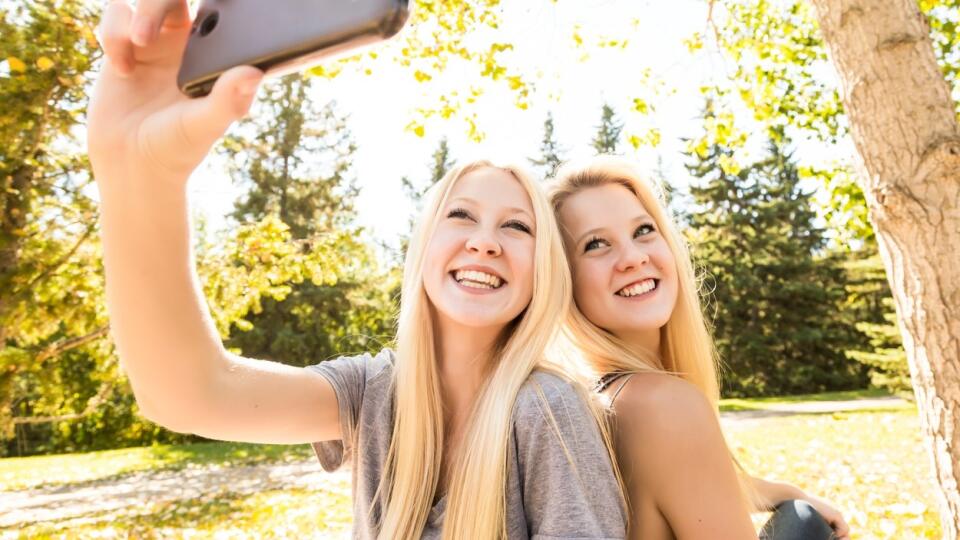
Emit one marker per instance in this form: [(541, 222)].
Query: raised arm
[(145, 138), (681, 480)]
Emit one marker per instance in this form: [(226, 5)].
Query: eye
[(518, 225), (459, 213), (594, 243), (644, 230)]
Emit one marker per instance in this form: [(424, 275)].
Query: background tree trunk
[(903, 122)]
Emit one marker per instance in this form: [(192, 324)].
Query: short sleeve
[(348, 375), (569, 487)]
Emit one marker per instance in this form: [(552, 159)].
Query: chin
[(476, 319)]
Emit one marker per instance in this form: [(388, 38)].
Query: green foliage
[(293, 159), (779, 57), (440, 35), (60, 385), (775, 292), (870, 308), (550, 152), (50, 286), (294, 162), (944, 19), (778, 64), (607, 138)]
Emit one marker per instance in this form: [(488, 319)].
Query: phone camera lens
[(209, 23)]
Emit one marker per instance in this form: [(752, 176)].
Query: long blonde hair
[(687, 348), (477, 483)]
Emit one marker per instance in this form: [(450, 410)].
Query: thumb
[(204, 120)]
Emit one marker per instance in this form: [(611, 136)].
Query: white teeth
[(480, 280), (638, 289)]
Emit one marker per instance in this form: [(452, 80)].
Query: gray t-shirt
[(548, 496)]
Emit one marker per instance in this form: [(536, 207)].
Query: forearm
[(164, 335), (774, 493)]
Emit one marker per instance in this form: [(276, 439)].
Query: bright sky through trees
[(571, 80)]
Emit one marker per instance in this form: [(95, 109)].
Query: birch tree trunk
[(904, 125)]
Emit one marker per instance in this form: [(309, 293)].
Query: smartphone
[(280, 36)]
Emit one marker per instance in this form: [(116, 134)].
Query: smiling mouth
[(638, 289), (477, 280)]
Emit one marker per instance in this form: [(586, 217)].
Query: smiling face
[(624, 274), (481, 255)]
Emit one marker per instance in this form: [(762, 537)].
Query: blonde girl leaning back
[(453, 421), (637, 320)]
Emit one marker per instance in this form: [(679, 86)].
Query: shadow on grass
[(126, 462)]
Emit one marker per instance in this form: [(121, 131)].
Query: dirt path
[(734, 419), (126, 493), (142, 489)]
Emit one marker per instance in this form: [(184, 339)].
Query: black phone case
[(280, 35)]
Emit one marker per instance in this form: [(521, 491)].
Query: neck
[(646, 339), (463, 357)]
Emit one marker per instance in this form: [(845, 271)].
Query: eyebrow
[(511, 209), (641, 217)]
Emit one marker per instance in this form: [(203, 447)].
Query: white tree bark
[(905, 129)]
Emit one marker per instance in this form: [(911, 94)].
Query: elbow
[(162, 413)]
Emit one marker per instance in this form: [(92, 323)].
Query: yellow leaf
[(421, 76), (640, 106), (44, 63), (16, 64)]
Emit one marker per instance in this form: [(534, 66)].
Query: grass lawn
[(870, 464)]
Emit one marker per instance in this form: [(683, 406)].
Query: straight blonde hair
[(687, 347), (476, 496)]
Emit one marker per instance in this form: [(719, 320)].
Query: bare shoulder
[(675, 461), (665, 404)]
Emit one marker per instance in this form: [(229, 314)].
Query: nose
[(483, 243), (631, 257)]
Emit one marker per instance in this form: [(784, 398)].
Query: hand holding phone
[(280, 36), (139, 123)]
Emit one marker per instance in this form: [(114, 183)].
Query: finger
[(200, 122), (152, 15), (229, 100), (840, 527), (114, 35)]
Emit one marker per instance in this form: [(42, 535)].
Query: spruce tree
[(550, 152), (870, 309), (776, 292), (294, 160), (607, 138), (440, 163)]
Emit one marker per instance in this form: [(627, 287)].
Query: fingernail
[(142, 32)]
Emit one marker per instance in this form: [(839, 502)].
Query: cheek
[(523, 263), (588, 287)]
